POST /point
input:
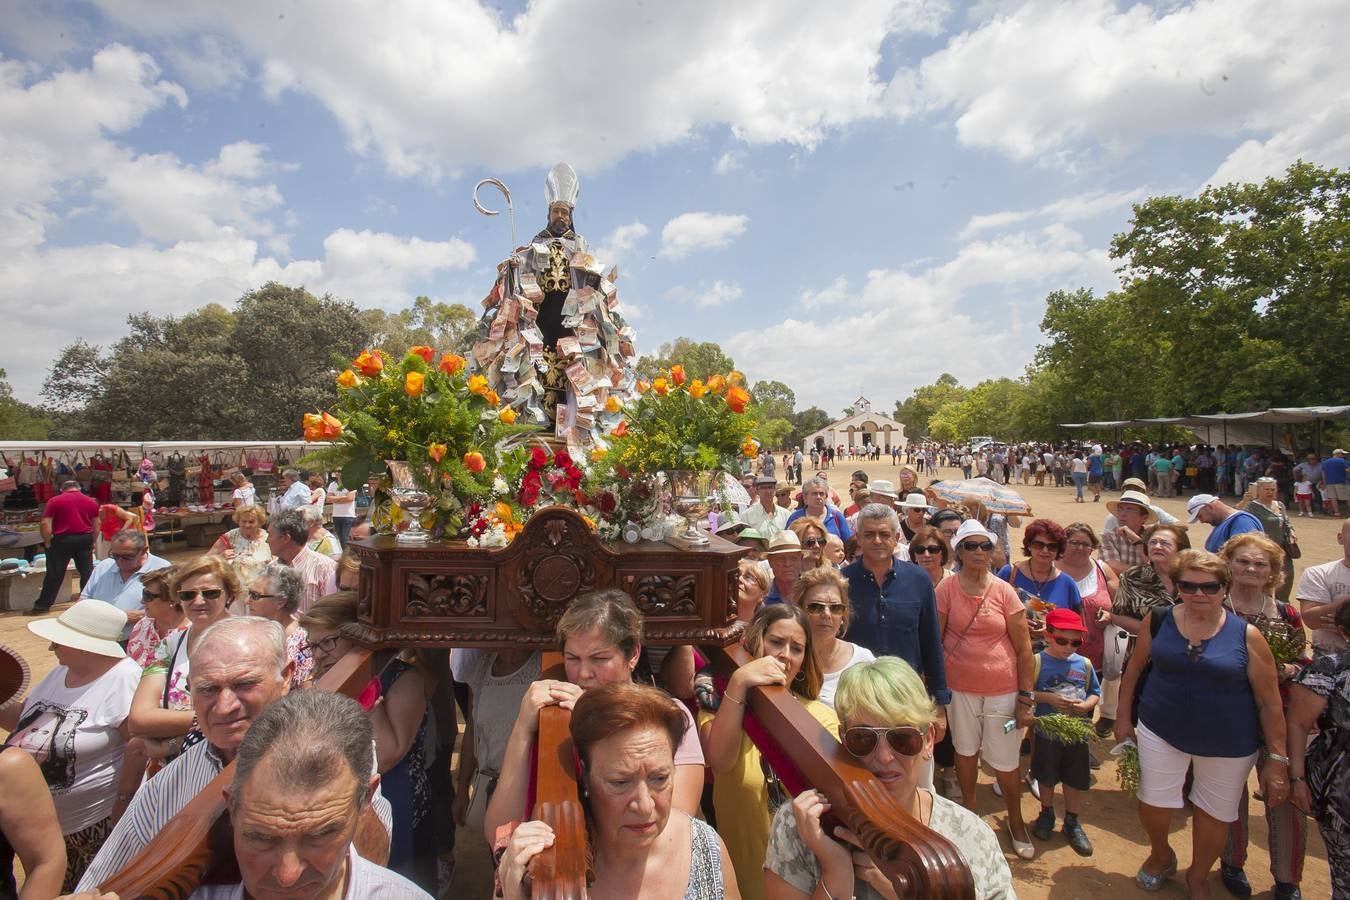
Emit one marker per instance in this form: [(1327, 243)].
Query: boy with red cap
[(1067, 684)]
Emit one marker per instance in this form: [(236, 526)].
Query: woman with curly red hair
[(1038, 580)]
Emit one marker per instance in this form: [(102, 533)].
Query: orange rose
[(612, 405), (642, 386), (437, 451), (749, 449), (660, 386), (414, 383), (477, 384), (423, 351), (347, 379), (312, 424), (677, 375), (598, 453), (717, 384), (697, 389), (735, 378), (621, 429), (738, 398), (474, 462), (507, 416), (332, 428), (451, 364), (368, 363), (491, 397)]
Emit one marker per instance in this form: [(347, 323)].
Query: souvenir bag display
[(83, 474), (7, 480), (43, 488), (121, 473)]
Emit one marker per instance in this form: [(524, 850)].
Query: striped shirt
[(319, 574), (159, 800)]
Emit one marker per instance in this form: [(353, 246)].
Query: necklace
[(1195, 648), (1040, 585)]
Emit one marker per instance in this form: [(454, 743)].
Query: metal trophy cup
[(412, 498)]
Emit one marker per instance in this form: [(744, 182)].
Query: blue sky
[(841, 195)]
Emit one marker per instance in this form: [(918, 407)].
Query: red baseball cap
[(1065, 620)]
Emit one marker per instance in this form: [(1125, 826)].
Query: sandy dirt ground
[(1109, 815)]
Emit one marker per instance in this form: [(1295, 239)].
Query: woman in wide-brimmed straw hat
[(74, 724)]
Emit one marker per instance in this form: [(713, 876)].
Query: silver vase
[(412, 498)]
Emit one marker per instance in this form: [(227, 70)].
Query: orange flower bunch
[(321, 427)]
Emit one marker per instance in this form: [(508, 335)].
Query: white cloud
[(975, 315), (1061, 82), (700, 231), (208, 63), (728, 162), (70, 292), (1066, 209), (620, 242), (719, 293), (427, 84)]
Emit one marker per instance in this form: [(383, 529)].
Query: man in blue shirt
[(892, 608), (1334, 487), (1225, 520), (117, 579)]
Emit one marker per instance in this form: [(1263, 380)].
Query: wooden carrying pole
[(919, 863), (176, 860), (559, 872)]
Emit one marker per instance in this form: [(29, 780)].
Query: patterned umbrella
[(995, 497)]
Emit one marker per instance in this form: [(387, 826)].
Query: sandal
[(1150, 881)]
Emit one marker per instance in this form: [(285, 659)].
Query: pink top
[(979, 654)]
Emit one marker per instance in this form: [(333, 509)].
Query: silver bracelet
[(828, 895), (742, 703), (1275, 757)]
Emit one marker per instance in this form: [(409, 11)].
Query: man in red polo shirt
[(68, 531)]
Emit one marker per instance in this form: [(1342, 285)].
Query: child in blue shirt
[(1065, 683)]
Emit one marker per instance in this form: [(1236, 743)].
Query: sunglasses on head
[(972, 546), (861, 740), (920, 551), (208, 594), (1208, 588)]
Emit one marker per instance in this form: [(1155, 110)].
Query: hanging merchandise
[(102, 478), (83, 474), (43, 488)]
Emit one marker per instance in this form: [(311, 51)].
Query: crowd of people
[(929, 638)]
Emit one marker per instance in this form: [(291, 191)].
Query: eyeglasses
[(1081, 545), (1065, 642), (813, 542), (1208, 588), (126, 557), (922, 551), (323, 645), (982, 546), (208, 594), (254, 595), (1159, 542), (1042, 545), (903, 739), (820, 609)]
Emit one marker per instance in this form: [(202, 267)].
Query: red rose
[(573, 476), (532, 479), (608, 503), (562, 459), (580, 497), (529, 496), (538, 458), (621, 471)]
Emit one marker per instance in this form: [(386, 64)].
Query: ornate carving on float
[(446, 595), (664, 595)]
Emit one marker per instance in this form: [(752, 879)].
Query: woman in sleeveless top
[(28, 829), (1209, 704), (625, 735)]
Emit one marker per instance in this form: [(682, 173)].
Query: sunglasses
[(1208, 588), (149, 595), (813, 542), (920, 551), (820, 609), (1065, 642), (1043, 545), (903, 739), (208, 594), (125, 557), (972, 546), (255, 596)]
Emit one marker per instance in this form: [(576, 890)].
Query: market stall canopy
[(1282, 415)]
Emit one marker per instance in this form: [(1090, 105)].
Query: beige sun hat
[(90, 625), (785, 541)]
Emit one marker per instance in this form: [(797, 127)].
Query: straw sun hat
[(90, 625)]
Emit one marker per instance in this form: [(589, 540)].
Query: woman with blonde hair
[(245, 546), (823, 593), (752, 586), (779, 639), (1256, 571), (886, 721), (811, 531)]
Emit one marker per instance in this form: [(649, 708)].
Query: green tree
[(75, 377), (18, 420), (445, 326), (776, 400), (700, 359), (773, 433), (915, 412), (806, 422)]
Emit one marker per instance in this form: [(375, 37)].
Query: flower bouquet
[(451, 429), (678, 432)]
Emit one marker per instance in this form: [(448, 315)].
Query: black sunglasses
[(971, 546), (1208, 588), (861, 740), (917, 551), (255, 596), (1063, 642), (813, 542)]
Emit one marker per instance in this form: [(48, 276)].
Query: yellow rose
[(347, 379), (612, 405), (414, 383), (507, 416), (477, 384)]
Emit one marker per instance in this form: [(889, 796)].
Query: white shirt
[(1326, 583), (74, 735), (296, 495), (831, 682), (766, 523), (342, 510), (247, 495)]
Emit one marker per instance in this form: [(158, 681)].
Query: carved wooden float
[(451, 595)]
